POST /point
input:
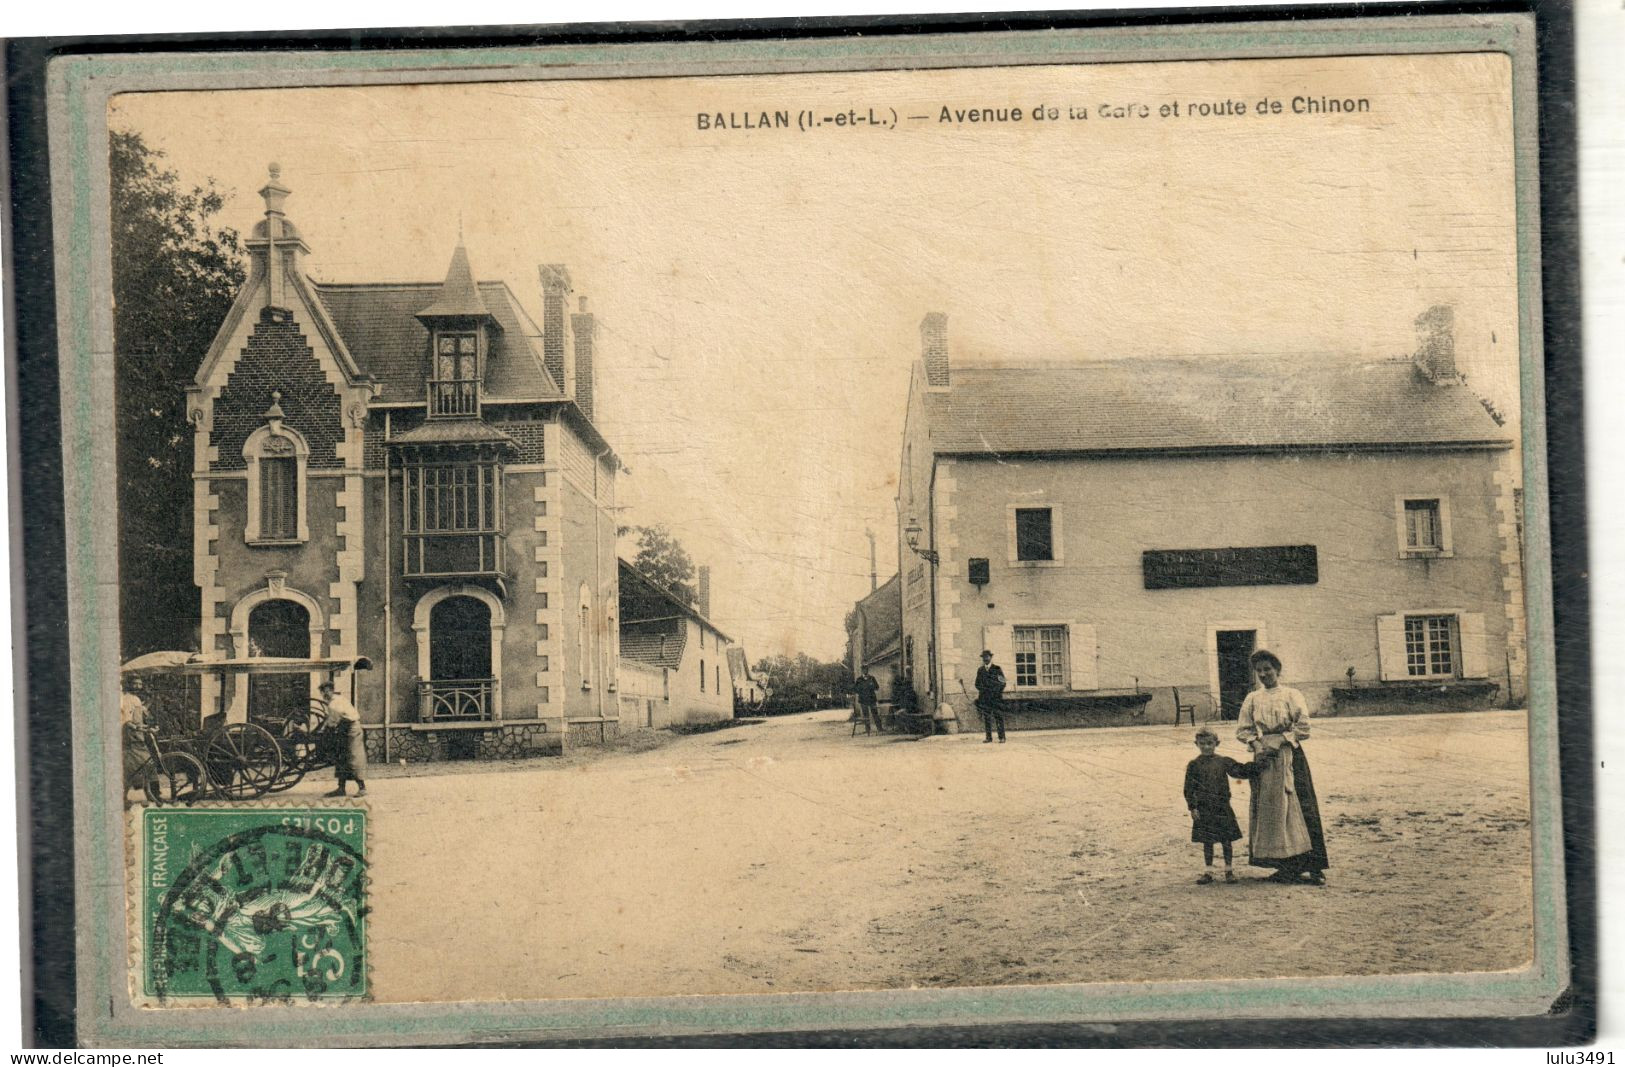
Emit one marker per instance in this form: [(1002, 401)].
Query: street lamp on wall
[(911, 534)]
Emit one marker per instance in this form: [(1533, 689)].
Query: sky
[(759, 291)]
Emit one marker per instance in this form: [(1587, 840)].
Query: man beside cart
[(341, 724)]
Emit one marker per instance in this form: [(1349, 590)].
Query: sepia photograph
[(963, 526)]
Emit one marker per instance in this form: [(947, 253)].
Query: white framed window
[(1422, 525), (1040, 656), (276, 511), (1430, 646), (1044, 654), (1434, 644), (1033, 535)]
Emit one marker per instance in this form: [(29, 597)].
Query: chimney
[(555, 287), (934, 349), (1436, 344), (703, 601), (583, 326), (275, 246)]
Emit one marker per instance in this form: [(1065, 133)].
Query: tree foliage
[(175, 272), (663, 558), (800, 683)]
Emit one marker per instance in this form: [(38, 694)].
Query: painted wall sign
[(1203, 568)]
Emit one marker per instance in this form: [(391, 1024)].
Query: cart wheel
[(243, 760), (176, 778), (301, 741), (297, 741)]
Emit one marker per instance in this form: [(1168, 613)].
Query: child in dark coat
[(1207, 795)]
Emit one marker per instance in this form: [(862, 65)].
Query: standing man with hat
[(349, 749), (990, 696)]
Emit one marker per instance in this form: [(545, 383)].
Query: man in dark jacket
[(990, 696), (866, 687)]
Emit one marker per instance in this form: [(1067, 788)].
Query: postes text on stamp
[(254, 904)]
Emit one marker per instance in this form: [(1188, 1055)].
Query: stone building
[(1122, 534), (401, 471), (664, 632), (874, 636)]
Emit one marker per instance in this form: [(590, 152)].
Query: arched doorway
[(278, 628), (460, 682), (459, 636)]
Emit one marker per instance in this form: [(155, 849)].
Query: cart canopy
[(194, 663)]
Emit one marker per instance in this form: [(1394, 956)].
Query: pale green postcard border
[(79, 90)]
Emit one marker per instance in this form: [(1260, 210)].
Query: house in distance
[(675, 662), (1119, 532), (400, 471)]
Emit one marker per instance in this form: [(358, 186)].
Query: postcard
[(680, 537)]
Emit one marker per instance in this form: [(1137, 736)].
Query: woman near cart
[(1284, 831), (349, 748)]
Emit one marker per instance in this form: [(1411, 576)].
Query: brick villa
[(400, 471)]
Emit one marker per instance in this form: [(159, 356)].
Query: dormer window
[(454, 390)]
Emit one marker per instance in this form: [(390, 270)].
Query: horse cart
[(182, 755)]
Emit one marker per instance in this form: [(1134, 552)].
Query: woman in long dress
[(1284, 831)]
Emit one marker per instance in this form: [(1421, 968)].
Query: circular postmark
[(270, 913)]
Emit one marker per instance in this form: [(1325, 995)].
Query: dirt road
[(789, 856)]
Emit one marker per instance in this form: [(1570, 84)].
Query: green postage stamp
[(255, 904)]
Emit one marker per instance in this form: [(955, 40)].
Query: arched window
[(584, 635), (276, 458), (459, 637)]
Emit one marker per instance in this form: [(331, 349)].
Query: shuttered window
[(279, 499), (1432, 645)]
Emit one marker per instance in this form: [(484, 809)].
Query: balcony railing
[(454, 396), (454, 554), (457, 700)]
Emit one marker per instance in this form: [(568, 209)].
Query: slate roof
[(452, 432), (459, 296), (658, 648), (1201, 404), (638, 590), (378, 325), (738, 664), (883, 618)]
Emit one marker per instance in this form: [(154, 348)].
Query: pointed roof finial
[(274, 192), (459, 295)]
